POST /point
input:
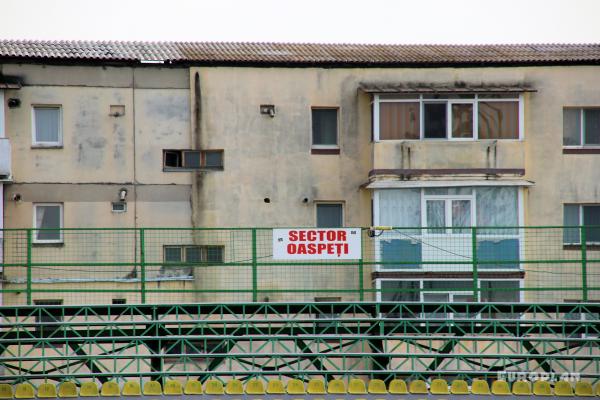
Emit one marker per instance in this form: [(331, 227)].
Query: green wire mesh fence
[(173, 265)]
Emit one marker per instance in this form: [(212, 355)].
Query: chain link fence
[(173, 265)]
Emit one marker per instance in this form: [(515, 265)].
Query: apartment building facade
[(432, 139)]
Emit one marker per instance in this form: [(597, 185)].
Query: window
[(119, 207), (448, 207), (177, 259), (330, 215), (178, 350), (325, 128), (581, 127), (329, 315), (47, 129), (47, 316), (119, 301), (48, 222), (192, 159), (576, 215), (455, 117)]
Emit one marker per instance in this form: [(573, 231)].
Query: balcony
[(4, 159)]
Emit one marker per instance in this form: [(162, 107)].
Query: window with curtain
[(399, 121), (47, 125), (325, 127), (48, 223), (498, 120)]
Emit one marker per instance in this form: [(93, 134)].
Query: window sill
[(578, 247), (581, 150), (46, 146), (203, 169), (47, 244), (333, 151)]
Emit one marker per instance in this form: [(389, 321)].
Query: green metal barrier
[(173, 265)]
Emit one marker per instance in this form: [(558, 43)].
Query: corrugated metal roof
[(456, 88), (299, 53)]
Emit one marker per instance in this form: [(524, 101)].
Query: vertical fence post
[(584, 289), (254, 268), (474, 258), (29, 233), (361, 283), (142, 266)]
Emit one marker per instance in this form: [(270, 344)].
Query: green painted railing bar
[(142, 267), (584, 288), (474, 257), (29, 278), (254, 267)]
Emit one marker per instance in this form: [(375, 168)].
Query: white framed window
[(330, 215), (48, 222), (447, 210), (325, 127), (46, 121), (179, 260), (581, 127), (576, 215), (448, 117)]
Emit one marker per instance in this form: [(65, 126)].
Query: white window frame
[(582, 144), (447, 210), (337, 137), (34, 141), (421, 100), (61, 220), (378, 282)]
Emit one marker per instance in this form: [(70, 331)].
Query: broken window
[(192, 159)]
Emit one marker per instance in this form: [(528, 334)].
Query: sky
[(316, 21)]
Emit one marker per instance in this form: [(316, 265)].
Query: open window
[(174, 160)]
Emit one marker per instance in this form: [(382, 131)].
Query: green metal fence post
[(361, 283), (142, 266), (474, 258), (29, 302), (254, 268), (584, 289)]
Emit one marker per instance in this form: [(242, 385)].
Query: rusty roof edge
[(455, 87)]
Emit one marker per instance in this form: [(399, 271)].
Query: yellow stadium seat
[(255, 386), (89, 389), (295, 386), (316, 386), (397, 386), (521, 388), (152, 388), (418, 387), (193, 387), (563, 388), (357, 386), (275, 386), (500, 388), (5, 391), (67, 389), (542, 388), (110, 389), (459, 386), (213, 386), (481, 387), (583, 389), (377, 386), (234, 386), (131, 388), (46, 391), (24, 391), (597, 389), (173, 388), (439, 386), (336, 386)]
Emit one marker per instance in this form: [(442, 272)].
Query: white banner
[(317, 244)]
